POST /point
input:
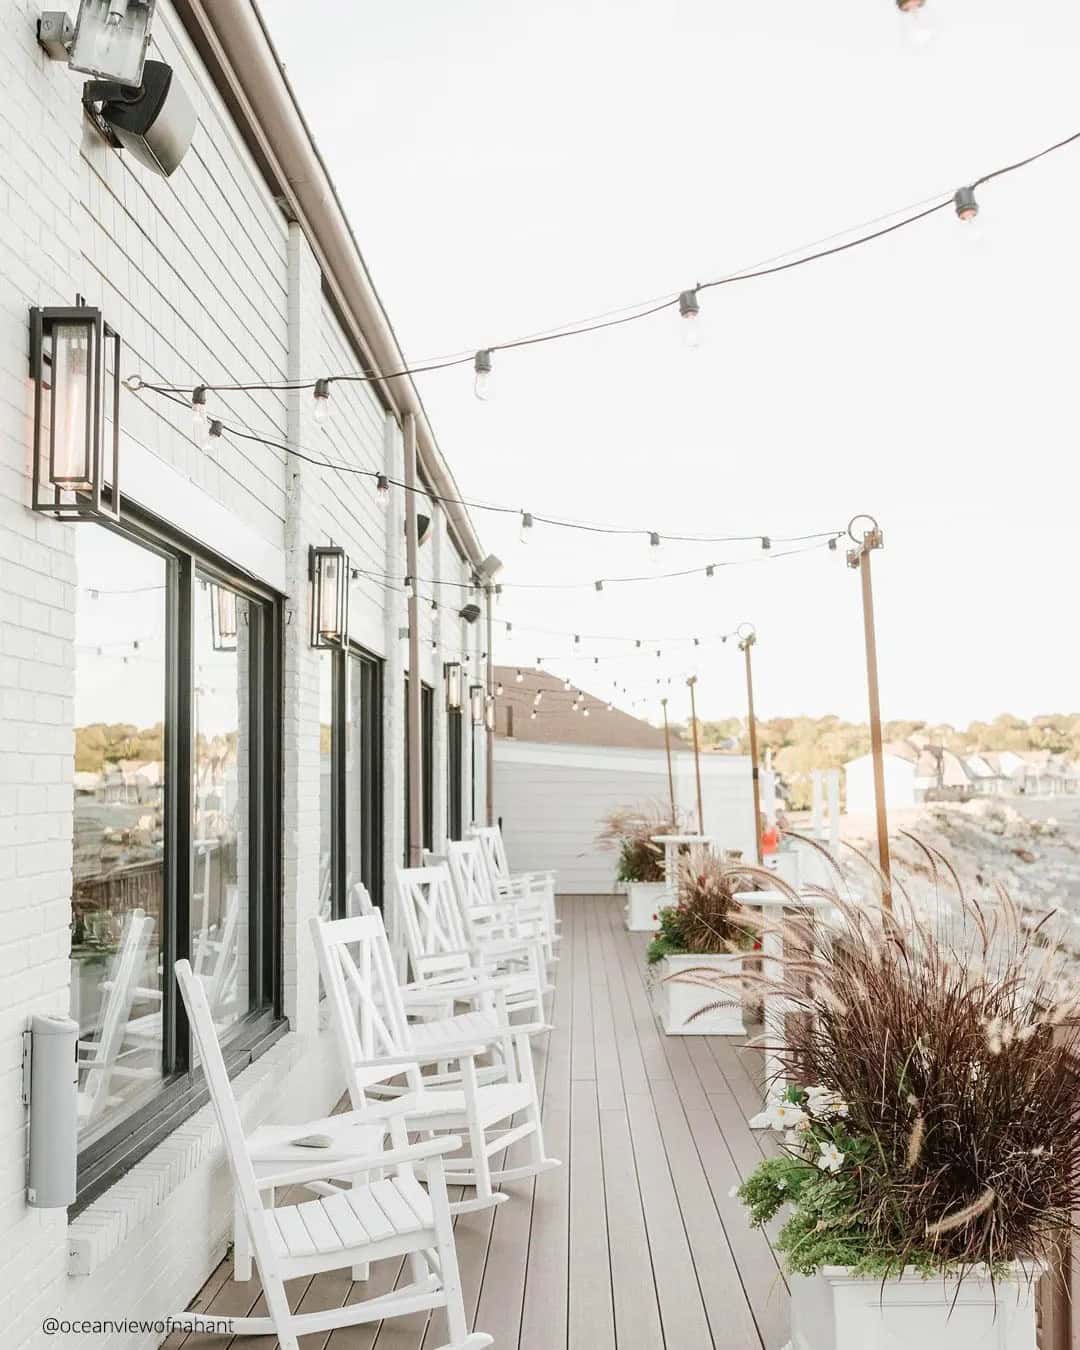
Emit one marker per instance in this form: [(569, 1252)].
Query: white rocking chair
[(378, 1044), (391, 1217), (538, 885), (440, 954), (510, 931)]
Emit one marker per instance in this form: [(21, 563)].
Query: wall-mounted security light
[(67, 366), (328, 569), (154, 122), (223, 618), (452, 675), (111, 38), (488, 568), (470, 613)]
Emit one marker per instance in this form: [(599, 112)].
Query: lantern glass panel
[(71, 437), (329, 597)]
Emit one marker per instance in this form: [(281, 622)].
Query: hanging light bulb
[(655, 558), (710, 571), (585, 712), (526, 526), (382, 490), (408, 588), (498, 687), (322, 400), (566, 685), (577, 639), (518, 677), (967, 208), (198, 413), (766, 542), (917, 26), (213, 431), (832, 544), (484, 376), (599, 585), (611, 707), (538, 699), (690, 311)]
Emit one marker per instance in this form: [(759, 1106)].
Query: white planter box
[(833, 1311), (677, 1001), (643, 901)]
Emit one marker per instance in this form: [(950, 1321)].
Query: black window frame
[(455, 769), (182, 1090), (369, 668)]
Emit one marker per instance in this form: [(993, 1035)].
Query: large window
[(427, 800), (176, 830)]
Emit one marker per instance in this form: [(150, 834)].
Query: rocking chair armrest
[(461, 988), (371, 1162), (433, 1054)]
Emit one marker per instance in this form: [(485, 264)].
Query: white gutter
[(233, 35)]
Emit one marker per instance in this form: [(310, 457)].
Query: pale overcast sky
[(511, 166)]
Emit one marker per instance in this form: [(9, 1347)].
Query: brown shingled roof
[(555, 723)]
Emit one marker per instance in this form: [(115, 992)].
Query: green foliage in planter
[(639, 860)]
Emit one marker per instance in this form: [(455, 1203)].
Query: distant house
[(913, 774), (560, 773)]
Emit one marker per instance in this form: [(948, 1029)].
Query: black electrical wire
[(285, 448), (643, 312)]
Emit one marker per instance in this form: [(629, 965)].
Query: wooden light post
[(859, 559), (747, 635), (690, 683), (670, 775)]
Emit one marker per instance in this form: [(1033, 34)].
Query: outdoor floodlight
[(67, 366), (111, 38), (487, 569), (328, 568)]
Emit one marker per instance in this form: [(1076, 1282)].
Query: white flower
[(822, 1102), (830, 1158), (785, 1116), (733, 1194), (781, 1184)]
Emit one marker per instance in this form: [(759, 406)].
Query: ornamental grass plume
[(630, 830), (707, 920), (951, 1032)]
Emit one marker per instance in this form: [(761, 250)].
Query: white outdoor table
[(672, 843), (775, 903)]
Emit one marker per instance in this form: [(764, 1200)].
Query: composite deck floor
[(635, 1242)]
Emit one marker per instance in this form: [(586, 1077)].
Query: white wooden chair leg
[(277, 1305), (528, 1075), (241, 1243), (451, 1277), (481, 1166)]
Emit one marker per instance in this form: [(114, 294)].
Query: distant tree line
[(800, 744)]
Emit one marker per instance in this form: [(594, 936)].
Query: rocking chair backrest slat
[(470, 876), (494, 850), (435, 933), (193, 992), (365, 998)]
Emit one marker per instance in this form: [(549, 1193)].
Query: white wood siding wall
[(552, 800)]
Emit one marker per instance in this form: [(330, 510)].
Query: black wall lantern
[(328, 568), (67, 366)]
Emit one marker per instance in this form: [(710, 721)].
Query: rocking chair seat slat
[(466, 1028)]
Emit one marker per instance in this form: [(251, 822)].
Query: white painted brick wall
[(206, 281)]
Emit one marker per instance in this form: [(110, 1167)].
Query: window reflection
[(222, 647), (119, 825)]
